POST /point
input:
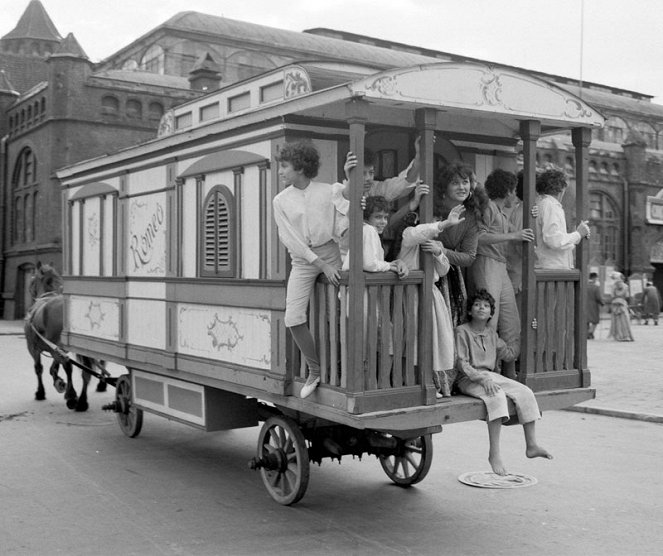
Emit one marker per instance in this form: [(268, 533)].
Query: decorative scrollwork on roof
[(296, 82), (385, 85)]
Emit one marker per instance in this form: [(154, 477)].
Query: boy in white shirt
[(307, 214)]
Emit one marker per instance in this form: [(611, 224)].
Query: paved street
[(74, 484)]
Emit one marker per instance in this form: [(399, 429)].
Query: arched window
[(218, 233), (155, 111), (27, 217), (35, 215), (615, 130), (153, 60), (605, 224), (25, 169), (134, 109), (18, 220), (110, 105), (569, 166), (647, 132)]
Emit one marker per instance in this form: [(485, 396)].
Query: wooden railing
[(553, 358), (390, 333)]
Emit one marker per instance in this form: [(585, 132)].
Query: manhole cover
[(484, 479)]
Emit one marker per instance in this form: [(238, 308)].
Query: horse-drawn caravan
[(174, 270)]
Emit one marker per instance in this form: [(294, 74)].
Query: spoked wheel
[(129, 417), (411, 462), (283, 460)]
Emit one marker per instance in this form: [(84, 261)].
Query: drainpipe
[(626, 236), (3, 192)]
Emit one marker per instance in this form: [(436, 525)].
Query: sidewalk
[(11, 327), (628, 376)]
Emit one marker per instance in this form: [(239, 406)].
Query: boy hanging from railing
[(307, 214)]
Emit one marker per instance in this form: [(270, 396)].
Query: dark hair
[(410, 219), (369, 157), (476, 202), (551, 182), (500, 183), (480, 295), (376, 203), (520, 184), (593, 275), (303, 156)]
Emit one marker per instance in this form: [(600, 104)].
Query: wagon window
[(218, 234)]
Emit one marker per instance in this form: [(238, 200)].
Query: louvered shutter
[(217, 240)]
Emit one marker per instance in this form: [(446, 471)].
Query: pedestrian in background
[(594, 304), (651, 303), (620, 324)]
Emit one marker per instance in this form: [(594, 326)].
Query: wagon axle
[(275, 461)]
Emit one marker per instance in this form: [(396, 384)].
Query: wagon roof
[(479, 101)]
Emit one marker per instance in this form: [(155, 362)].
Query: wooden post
[(582, 137), (426, 119), (357, 112), (530, 130)]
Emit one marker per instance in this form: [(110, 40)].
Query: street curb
[(617, 413)]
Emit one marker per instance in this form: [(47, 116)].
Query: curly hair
[(477, 200), (500, 183), (411, 219), (551, 182), (303, 156), (376, 203), (480, 295)]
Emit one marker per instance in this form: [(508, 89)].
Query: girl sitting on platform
[(478, 349)]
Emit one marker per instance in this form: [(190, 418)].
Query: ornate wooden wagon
[(174, 269)]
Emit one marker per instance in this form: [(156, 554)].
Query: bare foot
[(497, 465), (537, 452)]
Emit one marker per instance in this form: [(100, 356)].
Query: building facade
[(58, 108)]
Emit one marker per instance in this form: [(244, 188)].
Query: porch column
[(356, 115), (582, 137), (426, 119), (530, 130)]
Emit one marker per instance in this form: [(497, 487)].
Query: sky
[(612, 42)]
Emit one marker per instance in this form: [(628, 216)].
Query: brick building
[(57, 109), (66, 109)]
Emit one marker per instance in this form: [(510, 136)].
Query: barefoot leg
[(494, 455), (533, 450)]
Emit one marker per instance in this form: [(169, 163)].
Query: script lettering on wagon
[(145, 235)]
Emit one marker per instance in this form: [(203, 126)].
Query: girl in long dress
[(620, 323), (423, 235)]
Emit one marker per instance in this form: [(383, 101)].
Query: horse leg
[(59, 384), (101, 385), (82, 404), (70, 394), (40, 394)]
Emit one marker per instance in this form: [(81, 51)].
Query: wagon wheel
[(411, 462), (129, 417), (284, 456)]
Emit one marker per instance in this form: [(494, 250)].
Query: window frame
[(218, 191)]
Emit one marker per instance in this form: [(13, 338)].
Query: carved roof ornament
[(480, 87)]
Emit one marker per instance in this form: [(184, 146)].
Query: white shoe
[(439, 395), (311, 384)]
